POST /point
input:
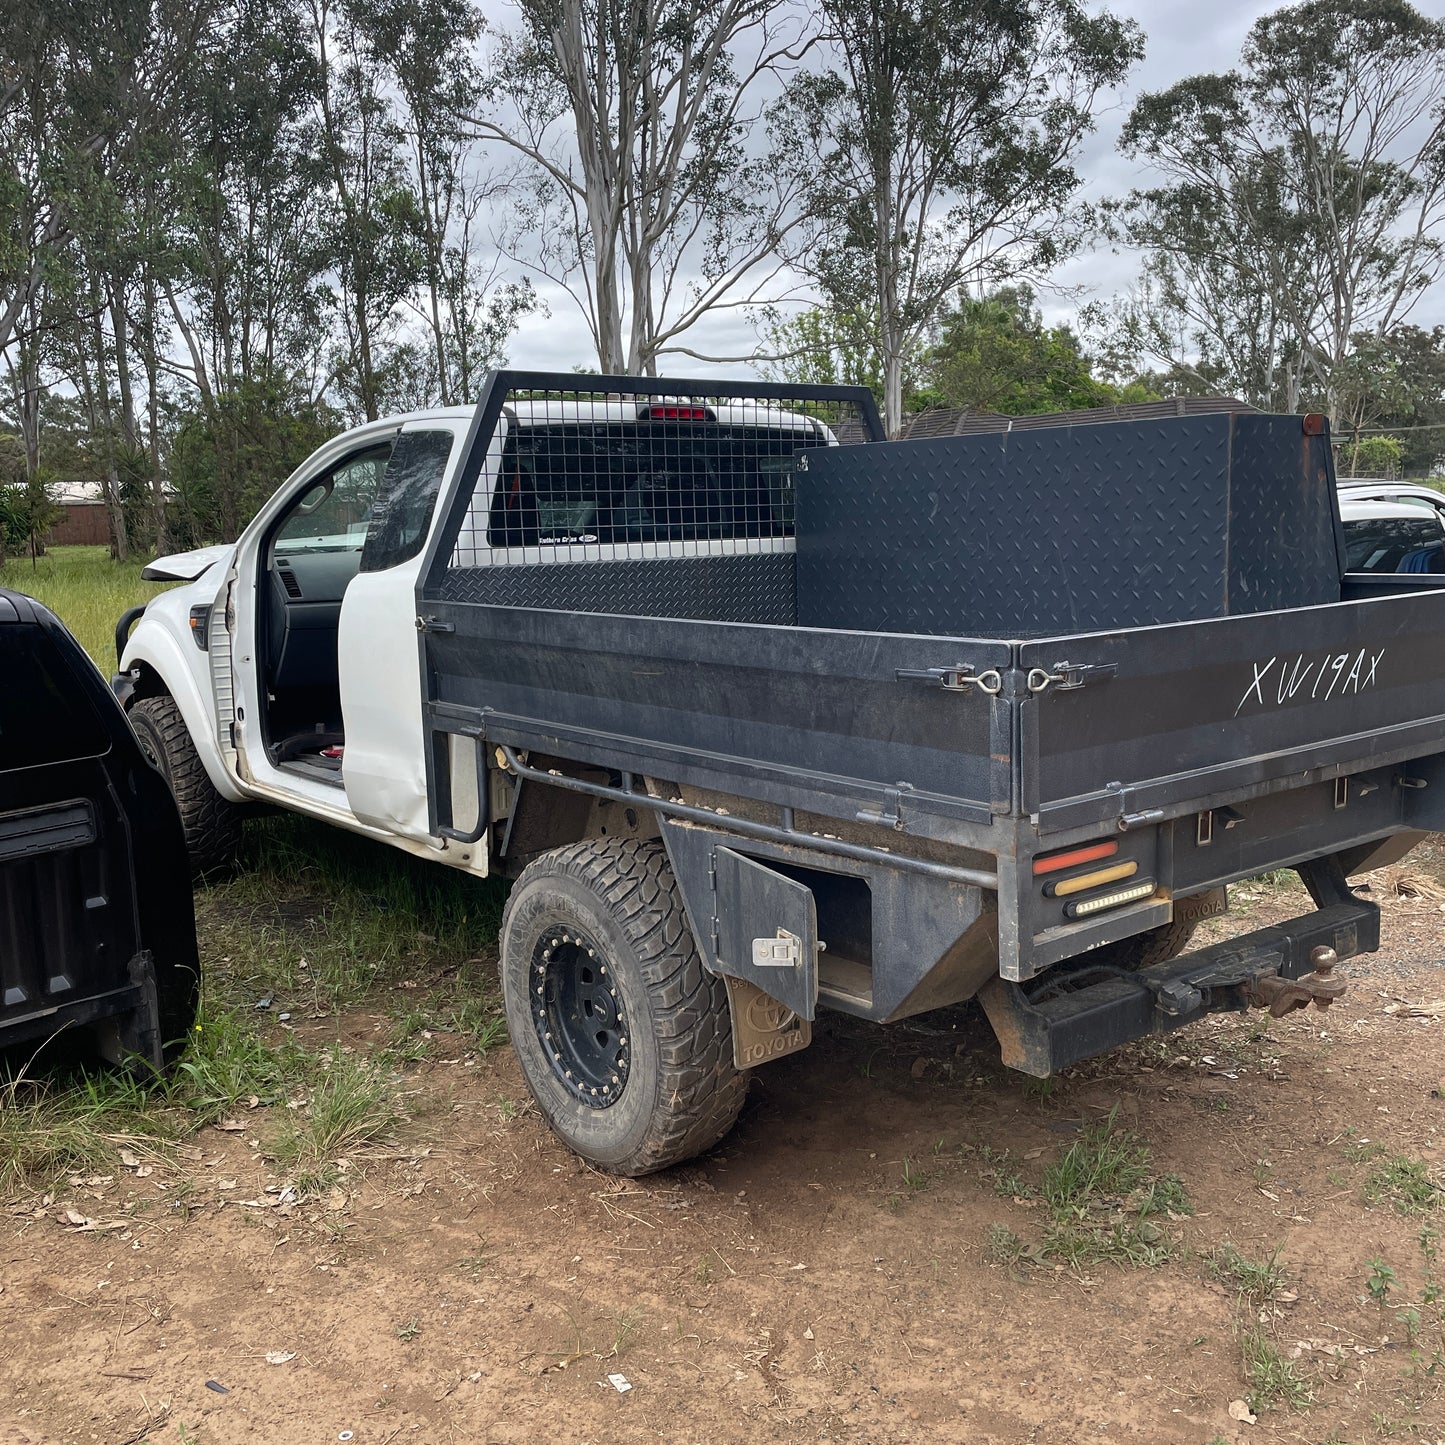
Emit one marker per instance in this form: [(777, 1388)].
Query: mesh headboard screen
[(655, 497)]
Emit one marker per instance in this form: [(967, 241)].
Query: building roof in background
[(71, 494)]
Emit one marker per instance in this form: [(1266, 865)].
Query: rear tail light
[(1116, 898), (1072, 857), (1062, 887)]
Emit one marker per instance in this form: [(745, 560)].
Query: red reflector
[(675, 413), (1315, 424), (1052, 862)]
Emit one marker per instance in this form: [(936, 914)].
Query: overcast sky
[(1181, 39)]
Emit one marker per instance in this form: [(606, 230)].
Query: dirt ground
[(832, 1272)]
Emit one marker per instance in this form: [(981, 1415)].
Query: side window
[(1394, 544), (1428, 507), (334, 514), (403, 509)]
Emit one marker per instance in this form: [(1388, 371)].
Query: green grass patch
[(1257, 1280), (479, 1019), (1102, 1161), (68, 1120), (1106, 1203), (1111, 1168), (411, 1039), (1273, 1380), (351, 1107), (45, 1134), (322, 917), (1275, 878), (1003, 1174), (1006, 1247), (1361, 1151), (229, 1063), (915, 1178), (1081, 1243), (1404, 1183), (87, 590)]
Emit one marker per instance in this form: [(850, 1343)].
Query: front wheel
[(624, 1037), (212, 824)]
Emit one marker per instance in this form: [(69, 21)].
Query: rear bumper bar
[(1075, 1014)]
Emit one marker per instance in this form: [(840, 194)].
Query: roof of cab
[(1355, 509)]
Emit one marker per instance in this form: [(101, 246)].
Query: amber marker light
[(1089, 853), (1061, 887)]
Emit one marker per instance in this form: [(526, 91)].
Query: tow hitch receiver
[(1283, 995), (1082, 1009)]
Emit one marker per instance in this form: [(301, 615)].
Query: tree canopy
[(1302, 199), (228, 227), (938, 148), (997, 354)]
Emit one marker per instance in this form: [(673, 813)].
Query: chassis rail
[(782, 832)]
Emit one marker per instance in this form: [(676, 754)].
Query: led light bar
[(1087, 907), (1070, 858), (1062, 887)]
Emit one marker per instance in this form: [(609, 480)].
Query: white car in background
[(1392, 527)]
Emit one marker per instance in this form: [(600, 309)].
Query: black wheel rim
[(578, 1015), (148, 750)]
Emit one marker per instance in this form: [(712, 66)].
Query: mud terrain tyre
[(624, 1037), (212, 825)]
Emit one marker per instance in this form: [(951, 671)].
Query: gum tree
[(641, 190), (1303, 195), (937, 150)]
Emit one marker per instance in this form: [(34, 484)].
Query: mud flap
[(128, 1038), (758, 929), (763, 1029)]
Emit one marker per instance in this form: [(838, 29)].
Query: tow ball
[(1283, 995)]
